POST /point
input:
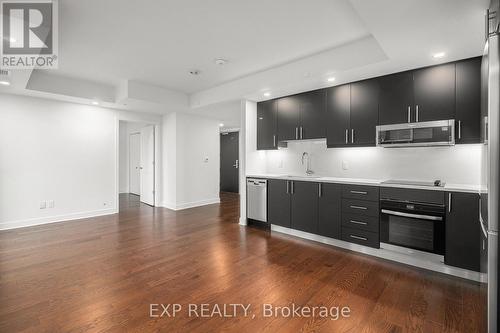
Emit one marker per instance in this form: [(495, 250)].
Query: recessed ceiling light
[(95, 102), (438, 55), (267, 94), (4, 83), (221, 125), (220, 61), (331, 79)]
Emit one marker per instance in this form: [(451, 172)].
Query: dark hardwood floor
[(101, 274)]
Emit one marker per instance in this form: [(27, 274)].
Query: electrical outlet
[(280, 164), (43, 204), (205, 160), (345, 165), (51, 204)]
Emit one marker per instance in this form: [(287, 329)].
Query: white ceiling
[(136, 55)]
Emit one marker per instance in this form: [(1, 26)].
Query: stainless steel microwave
[(429, 133)]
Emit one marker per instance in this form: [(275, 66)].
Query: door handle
[(358, 222), (287, 187), (352, 135), (359, 238), (359, 192), (459, 129), (296, 133), (358, 207), (346, 136), (416, 113), (319, 190), (409, 114), (449, 202), (292, 187), (301, 130), (274, 140)]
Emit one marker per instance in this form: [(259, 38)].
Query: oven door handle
[(415, 216)]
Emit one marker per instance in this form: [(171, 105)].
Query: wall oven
[(414, 225)]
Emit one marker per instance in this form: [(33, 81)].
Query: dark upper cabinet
[(364, 112), (462, 230), (468, 101), (338, 113), (288, 118), (330, 210), (304, 206), (278, 202), (267, 125), (312, 107), (434, 91), (396, 105)]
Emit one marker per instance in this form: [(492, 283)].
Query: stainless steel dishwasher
[(257, 199)]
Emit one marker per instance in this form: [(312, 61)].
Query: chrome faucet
[(305, 156)]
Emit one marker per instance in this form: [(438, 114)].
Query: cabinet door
[(266, 125), (434, 89), (305, 206), (329, 220), (462, 230), (468, 101), (288, 118), (338, 110), (278, 202), (364, 112), (313, 114), (396, 103)]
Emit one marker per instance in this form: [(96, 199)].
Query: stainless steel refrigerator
[(490, 120)]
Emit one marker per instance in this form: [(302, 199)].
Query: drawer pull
[(358, 207), (359, 192), (358, 222), (359, 238)]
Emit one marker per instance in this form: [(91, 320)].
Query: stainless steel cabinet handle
[(357, 237), (459, 129), (274, 140), (319, 190), (358, 207), (409, 114), (416, 113), (449, 202), (292, 187), (359, 192), (358, 222), (296, 133), (301, 131), (346, 136), (287, 187), (352, 135)]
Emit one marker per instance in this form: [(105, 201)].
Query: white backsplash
[(459, 164)]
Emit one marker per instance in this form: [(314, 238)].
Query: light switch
[(345, 165)]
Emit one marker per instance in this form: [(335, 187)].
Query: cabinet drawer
[(360, 207), (361, 237), (360, 192), (361, 222)]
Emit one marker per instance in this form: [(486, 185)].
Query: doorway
[(229, 162), (137, 162)]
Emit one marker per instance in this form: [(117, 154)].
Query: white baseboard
[(387, 253), (191, 204), (54, 219)]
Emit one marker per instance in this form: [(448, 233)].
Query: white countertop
[(373, 182)]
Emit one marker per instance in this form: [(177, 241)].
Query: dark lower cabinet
[(267, 125), (361, 237), (468, 101), (330, 210), (278, 202), (434, 91), (462, 230), (304, 206)]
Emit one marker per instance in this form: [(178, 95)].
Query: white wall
[(52, 150), (189, 180), (459, 164)]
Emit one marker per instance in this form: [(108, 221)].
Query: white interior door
[(148, 165), (135, 163)]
